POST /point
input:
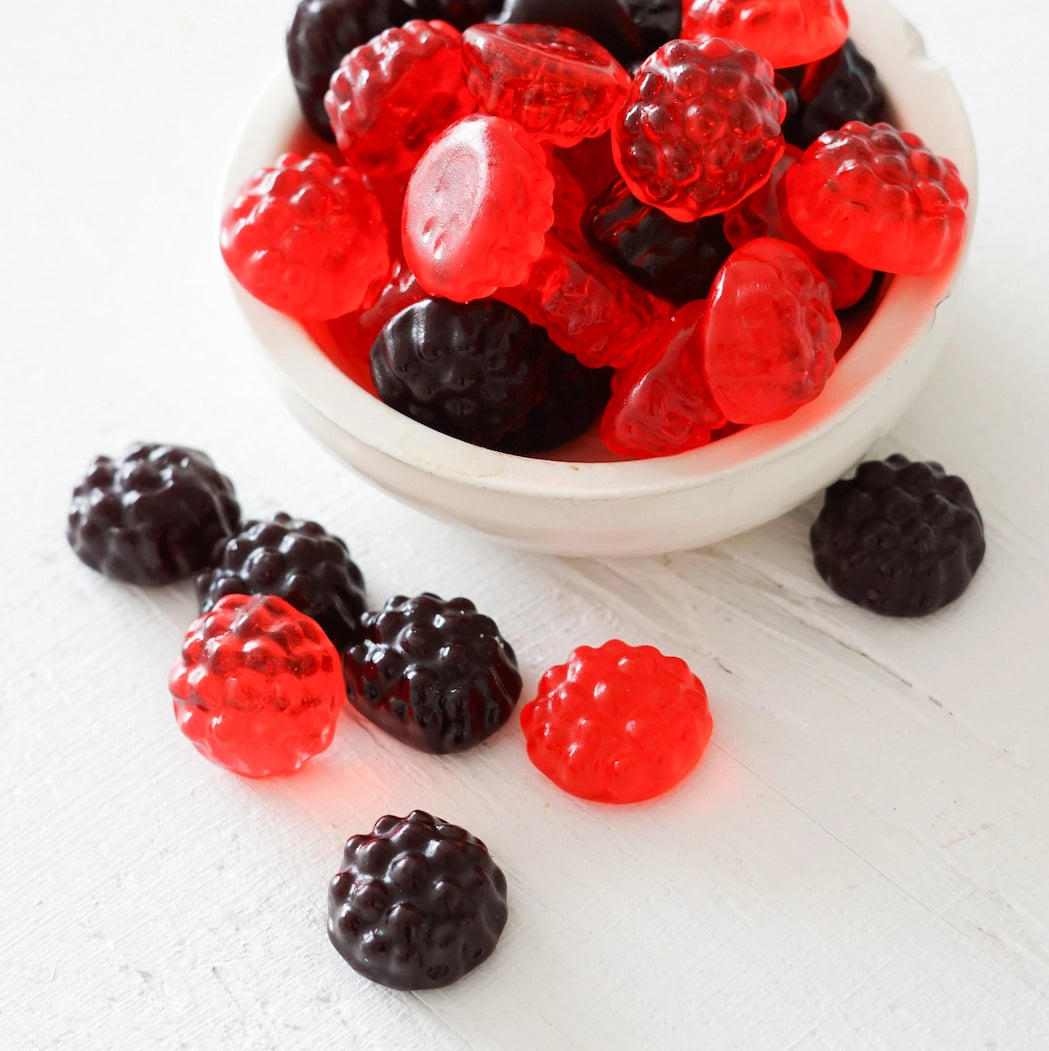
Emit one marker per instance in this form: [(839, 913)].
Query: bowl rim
[(907, 308)]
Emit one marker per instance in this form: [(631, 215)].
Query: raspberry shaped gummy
[(306, 237), (321, 32), (152, 517), (297, 560), (391, 97), (879, 196), (435, 674), (899, 538), (418, 904), (617, 724), (258, 688), (700, 128)]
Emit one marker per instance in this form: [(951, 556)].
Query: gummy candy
[(606, 21), (258, 688), (617, 724)]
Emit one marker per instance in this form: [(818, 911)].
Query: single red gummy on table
[(700, 128), (786, 32), (881, 197), (617, 724), (661, 404), (258, 687), (478, 206), (306, 237), (770, 332), (392, 96), (557, 83)]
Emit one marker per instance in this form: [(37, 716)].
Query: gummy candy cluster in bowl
[(583, 498)]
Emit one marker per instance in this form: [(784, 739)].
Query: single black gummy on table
[(900, 538), (435, 674), (152, 517), (297, 560), (417, 904)]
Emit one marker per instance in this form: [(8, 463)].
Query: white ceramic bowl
[(582, 507)]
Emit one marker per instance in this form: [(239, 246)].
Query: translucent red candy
[(259, 687), (478, 206), (661, 404), (786, 32), (700, 128), (392, 96), (765, 214), (617, 724), (770, 332), (306, 237), (881, 197), (557, 83)]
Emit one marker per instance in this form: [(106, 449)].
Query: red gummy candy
[(770, 332), (881, 197), (306, 237), (765, 214), (617, 724), (661, 404), (557, 83), (392, 96), (786, 32), (478, 206), (700, 128), (259, 687)]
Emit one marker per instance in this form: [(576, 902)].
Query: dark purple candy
[(459, 13), (607, 21), (657, 21)]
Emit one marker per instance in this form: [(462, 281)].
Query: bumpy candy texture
[(770, 333), (899, 538), (881, 197), (306, 237), (478, 206), (843, 86), (435, 674), (471, 370), (606, 21), (700, 128), (258, 688), (321, 32), (153, 516), (418, 902), (393, 95), (674, 260), (299, 561), (617, 724), (661, 404), (557, 83), (786, 32), (765, 214)]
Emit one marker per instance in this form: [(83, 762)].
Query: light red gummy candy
[(881, 197), (661, 404), (700, 128), (557, 83), (478, 206), (259, 687), (305, 237), (786, 32), (392, 96), (617, 724), (770, 332)]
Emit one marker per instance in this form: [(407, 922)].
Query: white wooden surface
[(860, 862)]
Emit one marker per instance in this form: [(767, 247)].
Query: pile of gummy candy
[(531, 215)]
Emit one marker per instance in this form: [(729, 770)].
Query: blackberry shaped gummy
[(297, 560), (606, 21), (471, 370), (153, 517), (435, 674), (899, 538), (459, 13), (418, 903)]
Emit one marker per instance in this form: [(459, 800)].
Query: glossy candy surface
[(617, 724), (258, 688)]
